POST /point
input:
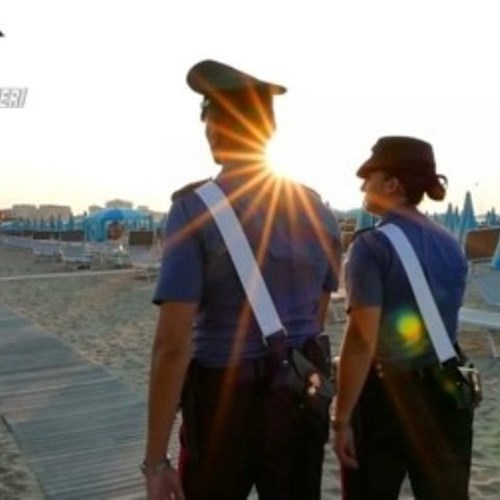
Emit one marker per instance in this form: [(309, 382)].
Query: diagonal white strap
[(423, 295), (243, 258)]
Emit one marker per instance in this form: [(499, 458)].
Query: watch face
[(151, 469)]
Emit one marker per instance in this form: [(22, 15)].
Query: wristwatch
[(149, 469)]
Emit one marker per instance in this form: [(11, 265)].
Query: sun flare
[(279, 158)]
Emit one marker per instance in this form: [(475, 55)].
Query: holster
[(464, 391), (317, 350), (315, 405)]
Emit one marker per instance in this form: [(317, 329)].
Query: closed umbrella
[(364, 220), (449, 218), (467, 218), (491, 218), (495, 260)]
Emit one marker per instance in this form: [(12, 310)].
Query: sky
[(108, 113)]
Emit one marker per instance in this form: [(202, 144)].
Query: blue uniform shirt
[(374, 276), (298, 241)]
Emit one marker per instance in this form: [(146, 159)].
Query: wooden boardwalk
[(80, 429)]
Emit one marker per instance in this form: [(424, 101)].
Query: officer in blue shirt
[(398, 410), (238, 432)]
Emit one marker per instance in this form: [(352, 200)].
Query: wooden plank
[(67, 398), (18, 383), (80, 428)]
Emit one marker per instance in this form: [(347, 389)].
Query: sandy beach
[(109, 318)]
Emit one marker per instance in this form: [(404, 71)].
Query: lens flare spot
[(411, 331), (449, 387)]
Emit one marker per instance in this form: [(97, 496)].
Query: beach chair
[(114, 254), (480, 244), (77, 254), (487, 281), (44, 248), (490, 321), (144, 253), (337, 305)]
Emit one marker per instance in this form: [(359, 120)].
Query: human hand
[(344, 447), (164, 486)]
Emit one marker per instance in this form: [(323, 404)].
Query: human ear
[(392, 184)]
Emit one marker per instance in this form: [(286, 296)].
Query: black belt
[(397, 371), (248, 370)]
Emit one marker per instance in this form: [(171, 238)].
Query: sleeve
[(363, 274), (181, 271)]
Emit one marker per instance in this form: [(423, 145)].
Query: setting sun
[(281, 157)]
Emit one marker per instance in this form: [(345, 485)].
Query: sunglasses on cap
[(205, 105)]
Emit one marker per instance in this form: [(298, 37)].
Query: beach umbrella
[(491, 218), (448, 218), (456, 220), (95, 225), (59, 223), (467, 218), (70, 225), (495, 260), (364, 220)]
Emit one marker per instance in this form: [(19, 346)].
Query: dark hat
[(400, 154), (209, 77)]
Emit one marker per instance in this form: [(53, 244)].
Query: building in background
[(94, 209), (24, 211), (47, 212), (117, 203), (5, 214)]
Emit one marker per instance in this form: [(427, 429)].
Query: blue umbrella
[(364, 220), (456, 220), (495, 260), (491, 218), (70, 225), (59, 223), (467, 218), (448, 222), (96, 223)]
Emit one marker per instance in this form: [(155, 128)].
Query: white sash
[(423, 295), (243, 258)]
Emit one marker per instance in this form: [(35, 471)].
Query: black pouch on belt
[(462, 385), (312, 365)]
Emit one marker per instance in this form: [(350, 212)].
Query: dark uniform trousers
[(239, 433), (410, 423)]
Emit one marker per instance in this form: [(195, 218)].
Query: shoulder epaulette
[(311, 191), (188, 188), (361, 231)]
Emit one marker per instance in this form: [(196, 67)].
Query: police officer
[(398, 410), (238, 431)]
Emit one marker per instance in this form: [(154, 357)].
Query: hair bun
[(437, 190)]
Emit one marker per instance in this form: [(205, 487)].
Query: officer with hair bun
[(399, 410), (238, 432)]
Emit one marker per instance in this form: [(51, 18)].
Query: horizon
[(339, 211)]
